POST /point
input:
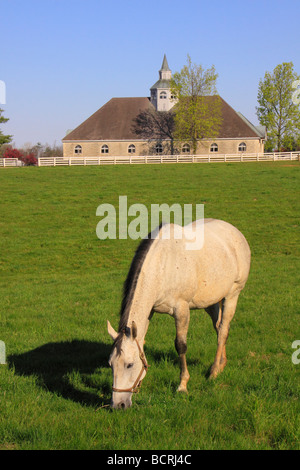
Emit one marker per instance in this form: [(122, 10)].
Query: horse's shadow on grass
[(78, 370), (75, 370)]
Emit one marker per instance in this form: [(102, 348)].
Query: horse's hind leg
[(222, 328), (182, 318), (215, 312)]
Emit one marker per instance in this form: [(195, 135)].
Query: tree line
[(28, 153)]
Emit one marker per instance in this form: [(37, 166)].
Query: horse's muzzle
[(121, 401)]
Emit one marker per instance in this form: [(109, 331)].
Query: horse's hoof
[(182, 389), (214, 372)]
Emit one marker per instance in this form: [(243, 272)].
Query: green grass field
[(59, 284)]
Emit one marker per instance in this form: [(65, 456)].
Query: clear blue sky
[(61, 60)]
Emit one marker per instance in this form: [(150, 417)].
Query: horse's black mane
[(130, 285), (131, 280)]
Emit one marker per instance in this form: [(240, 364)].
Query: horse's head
[(128, 363)]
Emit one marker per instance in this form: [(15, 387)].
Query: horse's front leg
[(182, 319)]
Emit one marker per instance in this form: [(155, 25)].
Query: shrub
[(28, 159), (13, 153)]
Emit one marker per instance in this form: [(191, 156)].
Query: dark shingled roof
[(111, 122), (115, 119), (233, 126)]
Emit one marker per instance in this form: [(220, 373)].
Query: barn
[(110, 130)]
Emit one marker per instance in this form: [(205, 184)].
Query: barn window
[(78, 150), (104, 149), (186, 148), (214, 148), (163, 95), (242, 147), (158, 148), (131, 148)]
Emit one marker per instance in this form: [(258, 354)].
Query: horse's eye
[(129, 365)]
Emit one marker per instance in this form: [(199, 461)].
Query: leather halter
[(137, 383)]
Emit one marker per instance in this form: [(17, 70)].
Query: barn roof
[(111, 122), (114, 121), (235, 125)]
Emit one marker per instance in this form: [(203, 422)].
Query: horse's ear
[(133, 330), (112, 333)]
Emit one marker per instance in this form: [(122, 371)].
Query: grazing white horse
[(166, 277)]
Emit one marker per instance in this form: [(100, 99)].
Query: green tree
[(277, 110), (198, 108), (4, 139)]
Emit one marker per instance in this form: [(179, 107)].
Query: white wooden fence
[(9, 162), (148, 159)]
